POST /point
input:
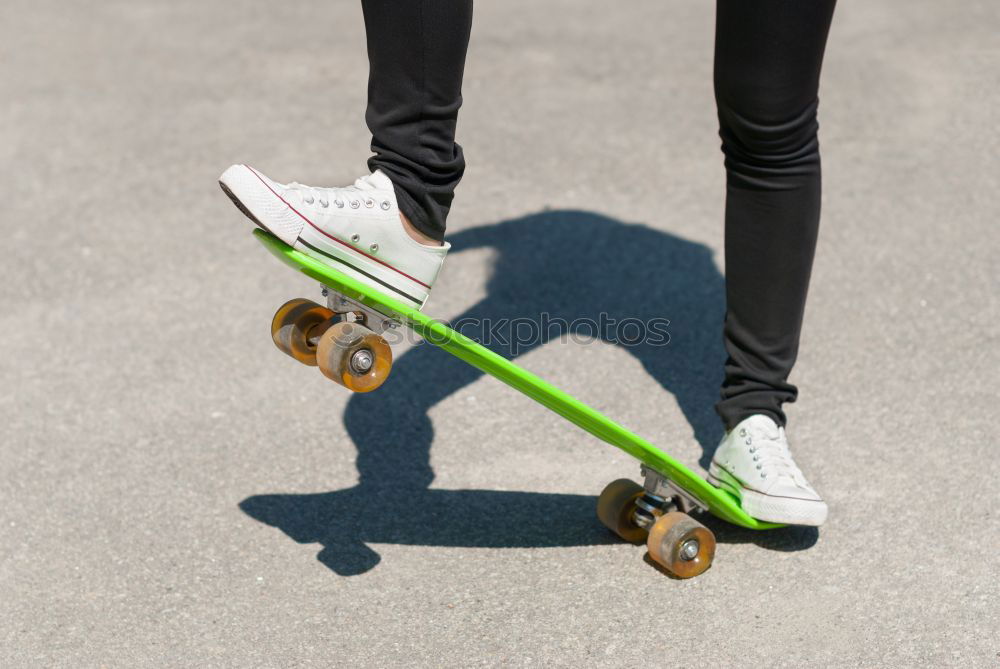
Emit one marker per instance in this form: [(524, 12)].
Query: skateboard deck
[(718, 502)]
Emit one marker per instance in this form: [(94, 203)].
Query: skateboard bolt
[(362, 361), (689, 549)]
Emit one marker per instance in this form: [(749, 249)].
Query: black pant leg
[(416, 53), (768, 55)]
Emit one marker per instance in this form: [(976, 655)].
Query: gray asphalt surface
[(175, 492)]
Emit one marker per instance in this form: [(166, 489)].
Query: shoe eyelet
[(373, 248), (749, 441), (355, 204), (369, 203), (756, 458), (339, 203), (324, 203), (763, 475), (385, 205), (355, 238), (743, 432), (753, 449), (309, 200), (759, 466)]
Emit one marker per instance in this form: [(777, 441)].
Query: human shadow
[(572, 266)]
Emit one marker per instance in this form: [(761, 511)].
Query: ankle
[(416, 235)]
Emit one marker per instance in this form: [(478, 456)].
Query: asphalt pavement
[(174, 492)]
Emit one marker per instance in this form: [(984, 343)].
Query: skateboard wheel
[(296, 328), (354, 356), (681, 545), (615, 508)]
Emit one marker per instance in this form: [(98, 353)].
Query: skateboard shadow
[(573, 266)]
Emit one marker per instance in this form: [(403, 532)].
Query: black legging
[(768, 55)]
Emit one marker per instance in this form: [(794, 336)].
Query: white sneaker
[(355, 229), (753, 462)]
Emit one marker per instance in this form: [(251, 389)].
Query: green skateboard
[(344, 339)]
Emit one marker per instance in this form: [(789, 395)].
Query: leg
[(416, 51), (768, 55)]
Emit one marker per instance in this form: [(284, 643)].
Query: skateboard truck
[(661, 504), (656, 513), (350, 351), (660, 496), (373, 320)]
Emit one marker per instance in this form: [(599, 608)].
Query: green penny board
[(719, 502)]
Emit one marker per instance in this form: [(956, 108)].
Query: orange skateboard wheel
[(354, 356), (296, 328), (681, 545), (616, 506)]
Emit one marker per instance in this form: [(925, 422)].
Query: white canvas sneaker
[(753, 462), (355, 229)]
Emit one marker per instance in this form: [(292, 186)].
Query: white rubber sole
[(774, 509)]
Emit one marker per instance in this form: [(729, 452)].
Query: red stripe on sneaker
[(327, 234)]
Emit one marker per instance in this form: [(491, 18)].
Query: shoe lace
[(338, 195), (773, 457)]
